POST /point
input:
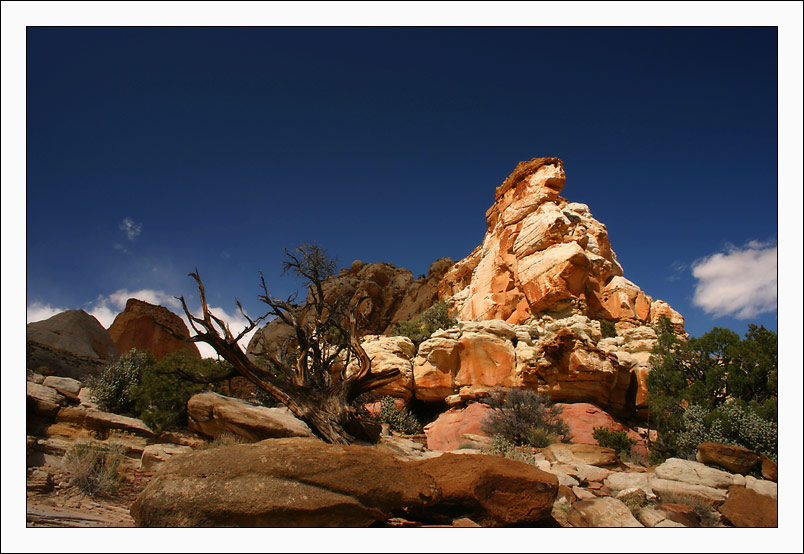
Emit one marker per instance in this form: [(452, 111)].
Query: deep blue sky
[(385, 144)]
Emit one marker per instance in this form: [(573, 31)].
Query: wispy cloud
[(740, 282), (130, 228), (106, 307), (678, 268)]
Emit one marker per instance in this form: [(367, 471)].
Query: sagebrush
[(431, 320), (523, 416), (617, 440), (115, 388)]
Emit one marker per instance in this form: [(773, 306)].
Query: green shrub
[(115, 387), (732, 423), (607, 328), (94, 467), (431, 320), (523, 416), (618, 440), (399, 419), (161, 397)]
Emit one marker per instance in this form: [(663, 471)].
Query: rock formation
[(544, 254), (140, 326), (70, 344)]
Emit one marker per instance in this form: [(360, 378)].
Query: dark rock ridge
[(140, 326), (70, 344)]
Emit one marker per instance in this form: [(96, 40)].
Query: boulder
[(581, 454), (735, 459), (447, 432), (103, 421), (66, 386), (769, 468), (747, 508), (696, 473), (154, 455), (603, 511), (651, 517), (620, 481), (213, 415), (492, 490), (43, 400), (141, 325), (391, 353), (761, 486), (69, 344), (680, 492), (291, 482)]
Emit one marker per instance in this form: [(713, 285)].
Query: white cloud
[(130, 228), (36, 311), (740, 282)]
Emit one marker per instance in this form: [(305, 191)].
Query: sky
[(155, 151), (149, 152)]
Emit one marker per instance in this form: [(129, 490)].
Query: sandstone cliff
[(140, 326)]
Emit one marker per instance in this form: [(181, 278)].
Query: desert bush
[(618, 440), (523, 416), (160, 399), (94, 467), (399, 419), (732, 423), (114, 389), (431, 320)]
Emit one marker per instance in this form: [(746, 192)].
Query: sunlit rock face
[(545, 268), (544, 254)]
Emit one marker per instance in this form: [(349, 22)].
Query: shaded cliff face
[(138, 326), (70, 344), (545, 255)]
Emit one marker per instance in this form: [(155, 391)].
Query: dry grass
[(225, 439), (94, 467)]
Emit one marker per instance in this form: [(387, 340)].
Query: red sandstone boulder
[(770, 470), (680, 513), (491, 490), (735, 459), (140, 326), (746, 508), (446, 433)]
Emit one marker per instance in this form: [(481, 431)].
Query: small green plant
[(431, 320), (618, 440), (607, 328), (94, 467), (114, 389), (399, 419), (525, 417)]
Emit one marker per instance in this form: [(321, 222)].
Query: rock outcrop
[(70, 344), (565, 358), (140, 325)]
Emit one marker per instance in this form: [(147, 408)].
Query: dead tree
[(311, 374)]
